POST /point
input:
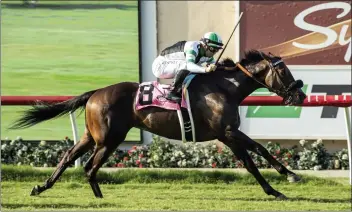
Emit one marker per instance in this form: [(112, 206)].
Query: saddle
[(154, 94)]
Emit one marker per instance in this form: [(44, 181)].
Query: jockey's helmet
[(212, 39)]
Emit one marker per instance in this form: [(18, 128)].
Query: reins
[(248, 73), (295, 84)]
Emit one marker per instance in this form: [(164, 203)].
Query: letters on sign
[(331, 35)]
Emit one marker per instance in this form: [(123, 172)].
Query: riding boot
[(175, 93)]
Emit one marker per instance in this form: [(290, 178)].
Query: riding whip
[(216, 63)]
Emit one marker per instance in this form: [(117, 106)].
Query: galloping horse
[(111, 112)]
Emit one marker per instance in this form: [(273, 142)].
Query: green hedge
[(162, 154)]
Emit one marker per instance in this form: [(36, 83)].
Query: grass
[(161, 196), (131, 175), (139, 189), (65, 48)]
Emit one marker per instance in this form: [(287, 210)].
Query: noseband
[(284, 91)]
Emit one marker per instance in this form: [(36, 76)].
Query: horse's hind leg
[(108, 137), (257, 148), (76, 151), (102, 153)]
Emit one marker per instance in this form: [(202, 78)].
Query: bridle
[(284, 91)]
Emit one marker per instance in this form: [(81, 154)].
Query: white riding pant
[(165, 68)]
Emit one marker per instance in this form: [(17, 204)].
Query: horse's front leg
[(241, 153), (257, 148)]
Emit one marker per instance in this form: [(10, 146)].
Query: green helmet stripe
[(214, 37)]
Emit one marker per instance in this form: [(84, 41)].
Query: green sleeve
[(211, 60), (191, 56)]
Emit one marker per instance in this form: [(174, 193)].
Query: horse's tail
[(43, 111)]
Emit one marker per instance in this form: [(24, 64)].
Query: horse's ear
[(275, 56)]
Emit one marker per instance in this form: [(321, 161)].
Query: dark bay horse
[(215, 97)]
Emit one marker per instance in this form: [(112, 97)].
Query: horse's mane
[(227, 62), (251, 56)]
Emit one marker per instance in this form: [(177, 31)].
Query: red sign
[(302, 32)]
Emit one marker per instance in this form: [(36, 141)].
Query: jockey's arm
[(191, 65), (211, 61)]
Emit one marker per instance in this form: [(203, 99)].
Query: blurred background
[(63, 48)]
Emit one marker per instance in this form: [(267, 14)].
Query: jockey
[(178, 60)]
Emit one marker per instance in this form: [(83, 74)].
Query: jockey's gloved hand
[(210, 68)]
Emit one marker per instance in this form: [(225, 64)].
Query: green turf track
[(164, 196), (172, 189), (67, 50)]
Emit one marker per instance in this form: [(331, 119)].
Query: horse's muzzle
[(295, 95)]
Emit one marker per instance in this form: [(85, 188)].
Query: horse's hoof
[(35, 191), (292, 178), (281, 197)]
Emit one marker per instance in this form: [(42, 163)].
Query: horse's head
[(271, 72)]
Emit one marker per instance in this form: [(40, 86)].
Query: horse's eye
[(281, 71)]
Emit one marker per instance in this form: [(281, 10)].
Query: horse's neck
[(239, 85)]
